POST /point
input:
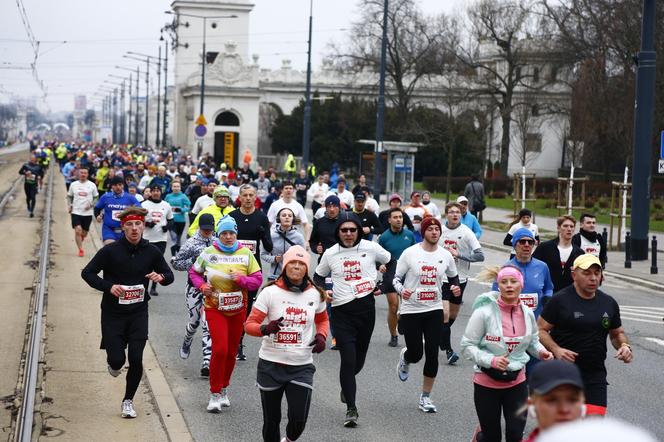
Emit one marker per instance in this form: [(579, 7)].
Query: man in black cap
[(323, 234), (370, 224)]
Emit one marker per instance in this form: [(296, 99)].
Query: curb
[(642, 282)]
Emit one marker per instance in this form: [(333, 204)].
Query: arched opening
[(227, 119)]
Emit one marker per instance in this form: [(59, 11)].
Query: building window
[(227, 119), (534, 142)]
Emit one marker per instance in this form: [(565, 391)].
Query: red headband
[(132, 217)]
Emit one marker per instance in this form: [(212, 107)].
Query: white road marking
[(641, 320), (641, 313), (643, 307), (656, 341)]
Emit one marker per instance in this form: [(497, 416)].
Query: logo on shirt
[(295, 317), (428, 275), (352, 270), (605, 320), (578, 315), (450, 244), (492, 338)]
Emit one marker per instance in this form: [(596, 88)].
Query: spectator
[(474, 191)]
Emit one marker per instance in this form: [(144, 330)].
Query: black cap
[(117, 180), (206, 222), (548, 375), (155, 186), (359, 196)]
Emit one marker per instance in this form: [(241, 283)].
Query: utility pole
[(641, 162), (115, 116), (156, 143), (123, 115), (129, 114), (163, 135), (147, 99), (138, 75), (306, 130), (380, 114)]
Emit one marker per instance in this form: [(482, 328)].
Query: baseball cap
[(332, 200), (359, 196), (522, 233), (548, 375), (462, 199), (395, 196), (155, 186), (586, 261), (206, 222), (220, 191)]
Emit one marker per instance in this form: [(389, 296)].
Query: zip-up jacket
[(561, 276), (537, 280), (193, 247), (279, 247)]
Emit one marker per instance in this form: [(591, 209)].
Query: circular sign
[(200, 130)]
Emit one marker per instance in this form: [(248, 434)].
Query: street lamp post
[(149, 59), (163, 135), (138, 73), (380, 113), (306, 129), (123, 116), (643, 116)]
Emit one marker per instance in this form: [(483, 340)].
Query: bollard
[(605, 235), (653, 251), (628, 250)]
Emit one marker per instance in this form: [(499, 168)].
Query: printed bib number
[(132, 294), (427, 295), (82, 193), (156, 217), (529, 299), (229, 301), (115, 215), (512, 343), (287, 339), (362, 287), (250, 244)]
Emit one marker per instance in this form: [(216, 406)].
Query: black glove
[(272, 327), (149, 224), (164, 229), (318, 343)]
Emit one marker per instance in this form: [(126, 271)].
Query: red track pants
[(225, 332)]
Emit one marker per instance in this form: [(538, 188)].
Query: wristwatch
[(625, 344)]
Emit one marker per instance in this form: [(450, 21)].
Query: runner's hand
[(117, 290), (319, 249), (382, 268), (545, 355), (406, 294), (565, 354), (366, 230), (155, 277), (206, 289), (277, 258), (500, 362), (318, 343), (624, 354), (69, 210), (99, 218), (272, 327), (235, 277), (328, 296), (456, 290)]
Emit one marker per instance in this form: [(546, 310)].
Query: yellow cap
[(585, 261)]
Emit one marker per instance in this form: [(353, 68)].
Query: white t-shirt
[(419, 210), (594, 248), (424, 273), (144, 182), (290, 345), (433, 209), (564, 254), (234, 192), (345, 197), (296, 207), (532, 227), (372, 206), (202, 202), (318, 192), (353, 270), (158, 213), (319, 213), (464, 241), (83, 197)]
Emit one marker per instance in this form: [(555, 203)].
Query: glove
[(164, 229), (318, 343), (272, 327), (149, 224)]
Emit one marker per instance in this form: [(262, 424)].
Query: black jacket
[(370, 220), (560, 276), (592, 236), (126, 264), (323, 232)]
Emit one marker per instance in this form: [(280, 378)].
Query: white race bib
[(132, 294), (248, 243), (529, 299), (362, 287), (288, 338), (427, 295), (229, 302), (115, 214)]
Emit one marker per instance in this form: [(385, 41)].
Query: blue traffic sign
[(200, 130)]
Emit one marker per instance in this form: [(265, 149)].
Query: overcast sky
[(82, 40)]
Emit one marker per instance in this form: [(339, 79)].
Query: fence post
[(628, 250), (605, 235), (653, 250)]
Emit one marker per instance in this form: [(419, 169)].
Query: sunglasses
[(348, 229), (523, 242)]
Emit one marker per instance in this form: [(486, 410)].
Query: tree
[(527, 120)]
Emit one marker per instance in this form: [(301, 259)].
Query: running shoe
[(32, 215), (342, 397), (214, 406), (240, 354), (403, 366), (394, 341), (452, 357), (114, 373), (128, 411), (225, 402), (334, 344), (81, 253), (351, 417), (426, 405), (205, 371), (185, 350)]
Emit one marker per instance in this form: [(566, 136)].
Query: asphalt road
[(387, 407)]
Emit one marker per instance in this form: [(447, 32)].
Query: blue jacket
[(180, 204), (537, 280), (164, 183), (471, 222)]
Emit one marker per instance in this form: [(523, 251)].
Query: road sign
[(201, 121), (660, 169), (200, 130)]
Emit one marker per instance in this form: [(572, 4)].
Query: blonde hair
[(488, 273)]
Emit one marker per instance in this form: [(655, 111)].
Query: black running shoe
[(452, 357), (351, 418), (240, 354), (205, 372)]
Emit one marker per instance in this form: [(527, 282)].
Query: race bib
[(362, 287), (248, 243), (287, 338), (426, 295), (132, 294), (156, 217), (82, 193), (229, 302), (193, 178), (529, 299), (115, 215)]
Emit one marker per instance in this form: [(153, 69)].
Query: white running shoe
[(114, 373), (214, 406), (128, 411), (185, 350), (426, 405), (225, 402), (403, 366)]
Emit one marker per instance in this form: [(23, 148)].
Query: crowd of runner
[(322, 271)]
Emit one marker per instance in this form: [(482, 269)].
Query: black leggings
[(353, 326), (298, 399), (488, 404), (115, 356), (415, 326), (30, 196)]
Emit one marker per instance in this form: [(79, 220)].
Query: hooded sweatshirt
[(280, 245), (499, 329)]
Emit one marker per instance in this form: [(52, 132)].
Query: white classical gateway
[(241, 99)]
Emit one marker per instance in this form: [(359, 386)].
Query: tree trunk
[(506, 118)]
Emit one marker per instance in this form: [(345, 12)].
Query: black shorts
[(272, 375), (81, 220), (118, 329), (388, 278), (458, 300)]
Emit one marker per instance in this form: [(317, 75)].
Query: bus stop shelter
[(399, 164)]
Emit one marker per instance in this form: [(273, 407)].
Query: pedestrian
[(128, 266), (284, 236), (416, 207), (352, 265), (317, 193), (467, 218), (431, 207), (204, 200), (109, 207), (425, 276), (589, 240), (523, 221), (395, 240), (302, 184), (158, 221), (183, 261), (499, 336), (394, 202), (225, 272), (559, 253), (262, 185), (345, 196), (33, 175), (82, 195), (296, 327), (574, 326), (180, 205), (474, 192)]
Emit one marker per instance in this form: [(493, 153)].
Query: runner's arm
[(475, 331), (266, 237), (476, 255), (161, 267), (252, 325), (90, 272)]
